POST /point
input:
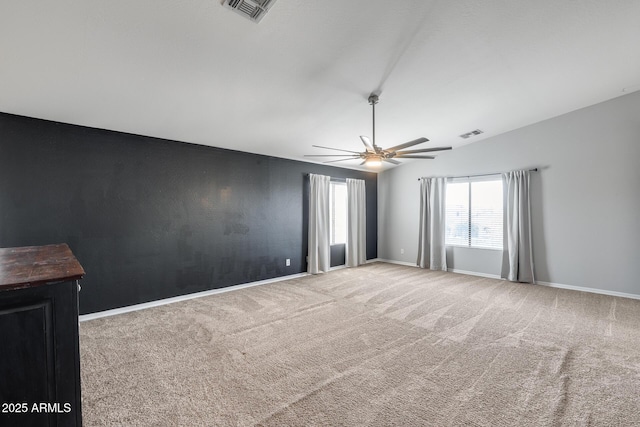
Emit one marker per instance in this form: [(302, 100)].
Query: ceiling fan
[(375, 155)]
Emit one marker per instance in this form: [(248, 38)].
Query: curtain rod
[(482, 174), (334, 178)]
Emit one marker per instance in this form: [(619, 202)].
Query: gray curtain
[(319, 239), (517, 259), (432, 252), (356, 247)]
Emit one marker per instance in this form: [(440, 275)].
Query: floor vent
[(470, 134), (250, 9)]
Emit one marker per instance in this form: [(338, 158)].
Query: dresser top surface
[(29, 266)]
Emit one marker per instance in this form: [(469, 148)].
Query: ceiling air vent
[(470, 134), (250, 9)]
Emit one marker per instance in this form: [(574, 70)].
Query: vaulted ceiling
[(194, 71)]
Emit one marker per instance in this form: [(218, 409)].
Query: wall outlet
[(401, 251), (287, 262)]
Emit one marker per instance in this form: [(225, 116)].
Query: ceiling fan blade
[(391, 161), (414, 157), (407, 144), (424, 150), (338, 149), (331, 155), (342, 160), (367, 143)]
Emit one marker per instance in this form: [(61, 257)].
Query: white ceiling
[(194, 71)]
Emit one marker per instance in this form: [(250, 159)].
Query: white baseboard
[(392, 261), (136, 307), (538, 282), (473, 273), (451, 270), (591, 290), (165, 301)]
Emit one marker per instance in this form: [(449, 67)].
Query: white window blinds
[(457, 214), (474, 213)]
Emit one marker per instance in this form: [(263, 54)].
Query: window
[(474, 214), (457, 215), (338, 206)]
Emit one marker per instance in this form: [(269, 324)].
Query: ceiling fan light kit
[(373, 161), (375, 155)]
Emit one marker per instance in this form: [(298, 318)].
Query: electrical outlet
[(401, 251), (287, 263)]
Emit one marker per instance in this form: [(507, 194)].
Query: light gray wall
[(585, 198)]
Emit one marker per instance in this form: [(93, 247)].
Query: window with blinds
[(474, 214), (338, 213)]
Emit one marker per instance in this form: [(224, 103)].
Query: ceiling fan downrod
[(373, 100)]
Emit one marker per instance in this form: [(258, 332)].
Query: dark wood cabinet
[(39, 349)]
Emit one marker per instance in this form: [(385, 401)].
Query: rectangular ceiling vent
[(250, 9), (470, 134)]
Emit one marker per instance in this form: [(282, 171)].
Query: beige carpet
[(379, 345)]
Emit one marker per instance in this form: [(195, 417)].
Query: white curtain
[(319, 246), (432, 252), (517, 259), (356, 248)]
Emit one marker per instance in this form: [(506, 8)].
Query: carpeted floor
[(378, 345)]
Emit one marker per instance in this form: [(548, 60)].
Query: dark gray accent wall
[(151, 218)]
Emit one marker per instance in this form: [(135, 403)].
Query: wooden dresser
[(39, 349)]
